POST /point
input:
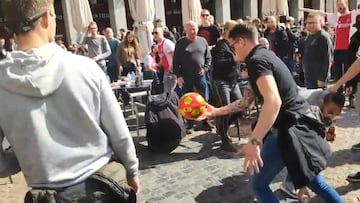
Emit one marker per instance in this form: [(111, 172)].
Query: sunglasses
[(154, 33), (232, 46), (23, 26), (205, 15)]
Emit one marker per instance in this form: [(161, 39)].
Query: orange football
[(191, 105)]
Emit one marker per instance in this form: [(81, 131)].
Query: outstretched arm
[(350, 73), (236, 106), (312, 11)]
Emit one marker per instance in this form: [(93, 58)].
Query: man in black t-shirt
[(272, 82), (207, 30)]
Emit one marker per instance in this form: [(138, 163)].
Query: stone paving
[(198, 171)]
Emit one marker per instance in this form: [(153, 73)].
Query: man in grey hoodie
[(57, 109)]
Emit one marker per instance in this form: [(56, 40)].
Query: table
[(134, 91)]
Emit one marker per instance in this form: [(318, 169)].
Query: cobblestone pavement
[(198, 171)]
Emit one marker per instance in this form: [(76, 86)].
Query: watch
[(255, 141)]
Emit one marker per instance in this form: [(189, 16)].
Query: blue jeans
[(292, 65), (273, 164), (198, 85)]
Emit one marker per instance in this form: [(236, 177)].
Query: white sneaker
[(289, 189)]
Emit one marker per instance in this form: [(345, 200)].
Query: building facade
[(116, 13)]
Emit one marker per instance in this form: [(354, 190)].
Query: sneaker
[(189, 131), (289, 189), (206, 126), (356, 147), (354, 178), (227, 146), (351, 102)]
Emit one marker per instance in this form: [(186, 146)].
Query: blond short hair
[(228, 26)]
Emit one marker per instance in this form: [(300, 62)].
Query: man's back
[(56, 109)]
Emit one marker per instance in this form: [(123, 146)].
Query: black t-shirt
[(210, 33), (261, 62)]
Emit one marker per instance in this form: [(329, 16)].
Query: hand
[(303, 195), (321, 83), (207, 114), (253, 159), (332, 88), (348, 90), (135, 183), (202, 72), (180, 81), (95, 58), (121, 69)]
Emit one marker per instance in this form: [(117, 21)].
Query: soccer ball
[(191, 105)]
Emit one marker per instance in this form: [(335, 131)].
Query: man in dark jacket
[(317, 56), (278, 39), (224, 79)]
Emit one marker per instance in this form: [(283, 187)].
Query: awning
[(275, 7), (191, 10), (143, 13)]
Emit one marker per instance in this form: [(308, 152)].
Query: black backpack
[(165, 127)]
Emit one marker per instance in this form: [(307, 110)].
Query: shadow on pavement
[(233, 189), (343, 190), (342, 157), (348, 119), (209, 148)]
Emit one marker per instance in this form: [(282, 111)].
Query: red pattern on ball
[(191, 105)]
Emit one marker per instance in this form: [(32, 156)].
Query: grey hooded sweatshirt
[(61, 118)]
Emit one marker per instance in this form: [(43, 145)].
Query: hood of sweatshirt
[(33, 73)]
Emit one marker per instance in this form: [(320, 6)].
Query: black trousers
[(341, 65), (113, 72)]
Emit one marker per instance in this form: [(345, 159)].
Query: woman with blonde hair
[(225, 74), (128, 54)]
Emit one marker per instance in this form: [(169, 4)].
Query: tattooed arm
[(236, 106)]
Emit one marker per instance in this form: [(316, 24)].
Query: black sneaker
[(227, 146), (206, 126), (356, 147), (354, 178), (289, 189), (351, 102), (189, 131)]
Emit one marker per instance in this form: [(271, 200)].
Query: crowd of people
[(274, 56)]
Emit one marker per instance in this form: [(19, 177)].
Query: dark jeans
[(310, 83), (226, 92), (128, 68), (113, 72), (291, 64), (341, 65), (198, 85)]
